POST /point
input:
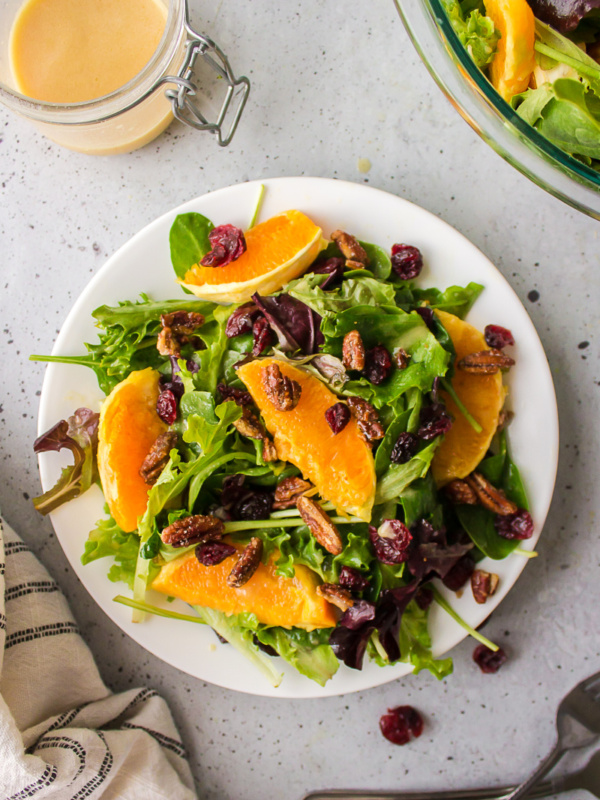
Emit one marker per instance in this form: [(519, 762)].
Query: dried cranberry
[(242, 320), (261, 332), (378, 364), (497, 337), (515, 526), (434, 420), (239, 396), (166, 406), (333, 268), (460, 573), (255, 505), (353, 580), (175, 386), (426, 315), (212, 553), (401, 724), (487, 660), (228, 244), (407, 261), (337, 416), (404, 449), (390, 541), (424, 598)]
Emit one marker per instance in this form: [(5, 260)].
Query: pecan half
[(483, 584), (247, 563), (336, 595), (288, 491), (157, 458), (485, 362), (249, 425), (282, 392), (321, 527), (401, 358), (353, 351), (367, 419), (177, 328), (193, 530), (460, 493), (269, 451), (352, 264), (351, 249), (489, 497)]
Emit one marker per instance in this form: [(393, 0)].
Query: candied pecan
[(334, 594), (321, 527), (367, 418), (247, 564), (351, 248), (504, 419), (483, 584), (352, 264), (489, 497), (283, 392), (269, 451), (177, 327), (289, 490), (193, 530), (157, 458), (249, 425), (184, 322), (460, 493), (485, 362), (401, 358), (353, 351)]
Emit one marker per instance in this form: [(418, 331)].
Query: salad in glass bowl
[(302, 449)]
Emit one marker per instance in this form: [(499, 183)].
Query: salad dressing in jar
[(108, 76)]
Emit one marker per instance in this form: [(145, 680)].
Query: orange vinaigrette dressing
[(70, 51)]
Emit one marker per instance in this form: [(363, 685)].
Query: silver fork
[(577, 725), (587, 779)]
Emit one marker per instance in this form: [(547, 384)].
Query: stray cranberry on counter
[(401, 724)]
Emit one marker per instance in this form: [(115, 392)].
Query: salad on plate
[(543, 58), (301, 448)]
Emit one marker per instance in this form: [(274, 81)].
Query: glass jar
[(136, 113), (489, 115)]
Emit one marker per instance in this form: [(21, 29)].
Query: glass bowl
[(489, 115)]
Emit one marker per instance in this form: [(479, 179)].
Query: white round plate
[(143, 265)]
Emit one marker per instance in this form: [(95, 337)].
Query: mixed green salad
[(420, 534), (542, 56)]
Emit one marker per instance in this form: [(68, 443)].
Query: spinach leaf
[(188, 241), (457, 300), (570, 120), (380, 263), (478, 522), (399, 476)]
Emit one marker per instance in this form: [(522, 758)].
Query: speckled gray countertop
[(332, 83)]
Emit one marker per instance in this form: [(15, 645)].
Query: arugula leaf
[(127, 341), (188, 241), (415, 643), (208, 426), (216, 343), (399, 476)]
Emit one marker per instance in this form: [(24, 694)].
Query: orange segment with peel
[(511, 67), (277, 251), (341, 466), (129, 426), (483, 396), (275, 599)]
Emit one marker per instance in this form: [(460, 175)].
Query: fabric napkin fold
[(63, 734)]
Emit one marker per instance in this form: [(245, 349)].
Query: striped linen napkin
[(63, 734)]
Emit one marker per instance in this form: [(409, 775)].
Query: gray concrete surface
[(332, 83)]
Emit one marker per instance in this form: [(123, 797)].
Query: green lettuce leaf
[(399, 477), (309, 652), (107, 539), (476, 31)]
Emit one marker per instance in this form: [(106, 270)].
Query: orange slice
[(277, 251), (129, 426), (340, 466), (511, 68), (483, 396), (276, 600)]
